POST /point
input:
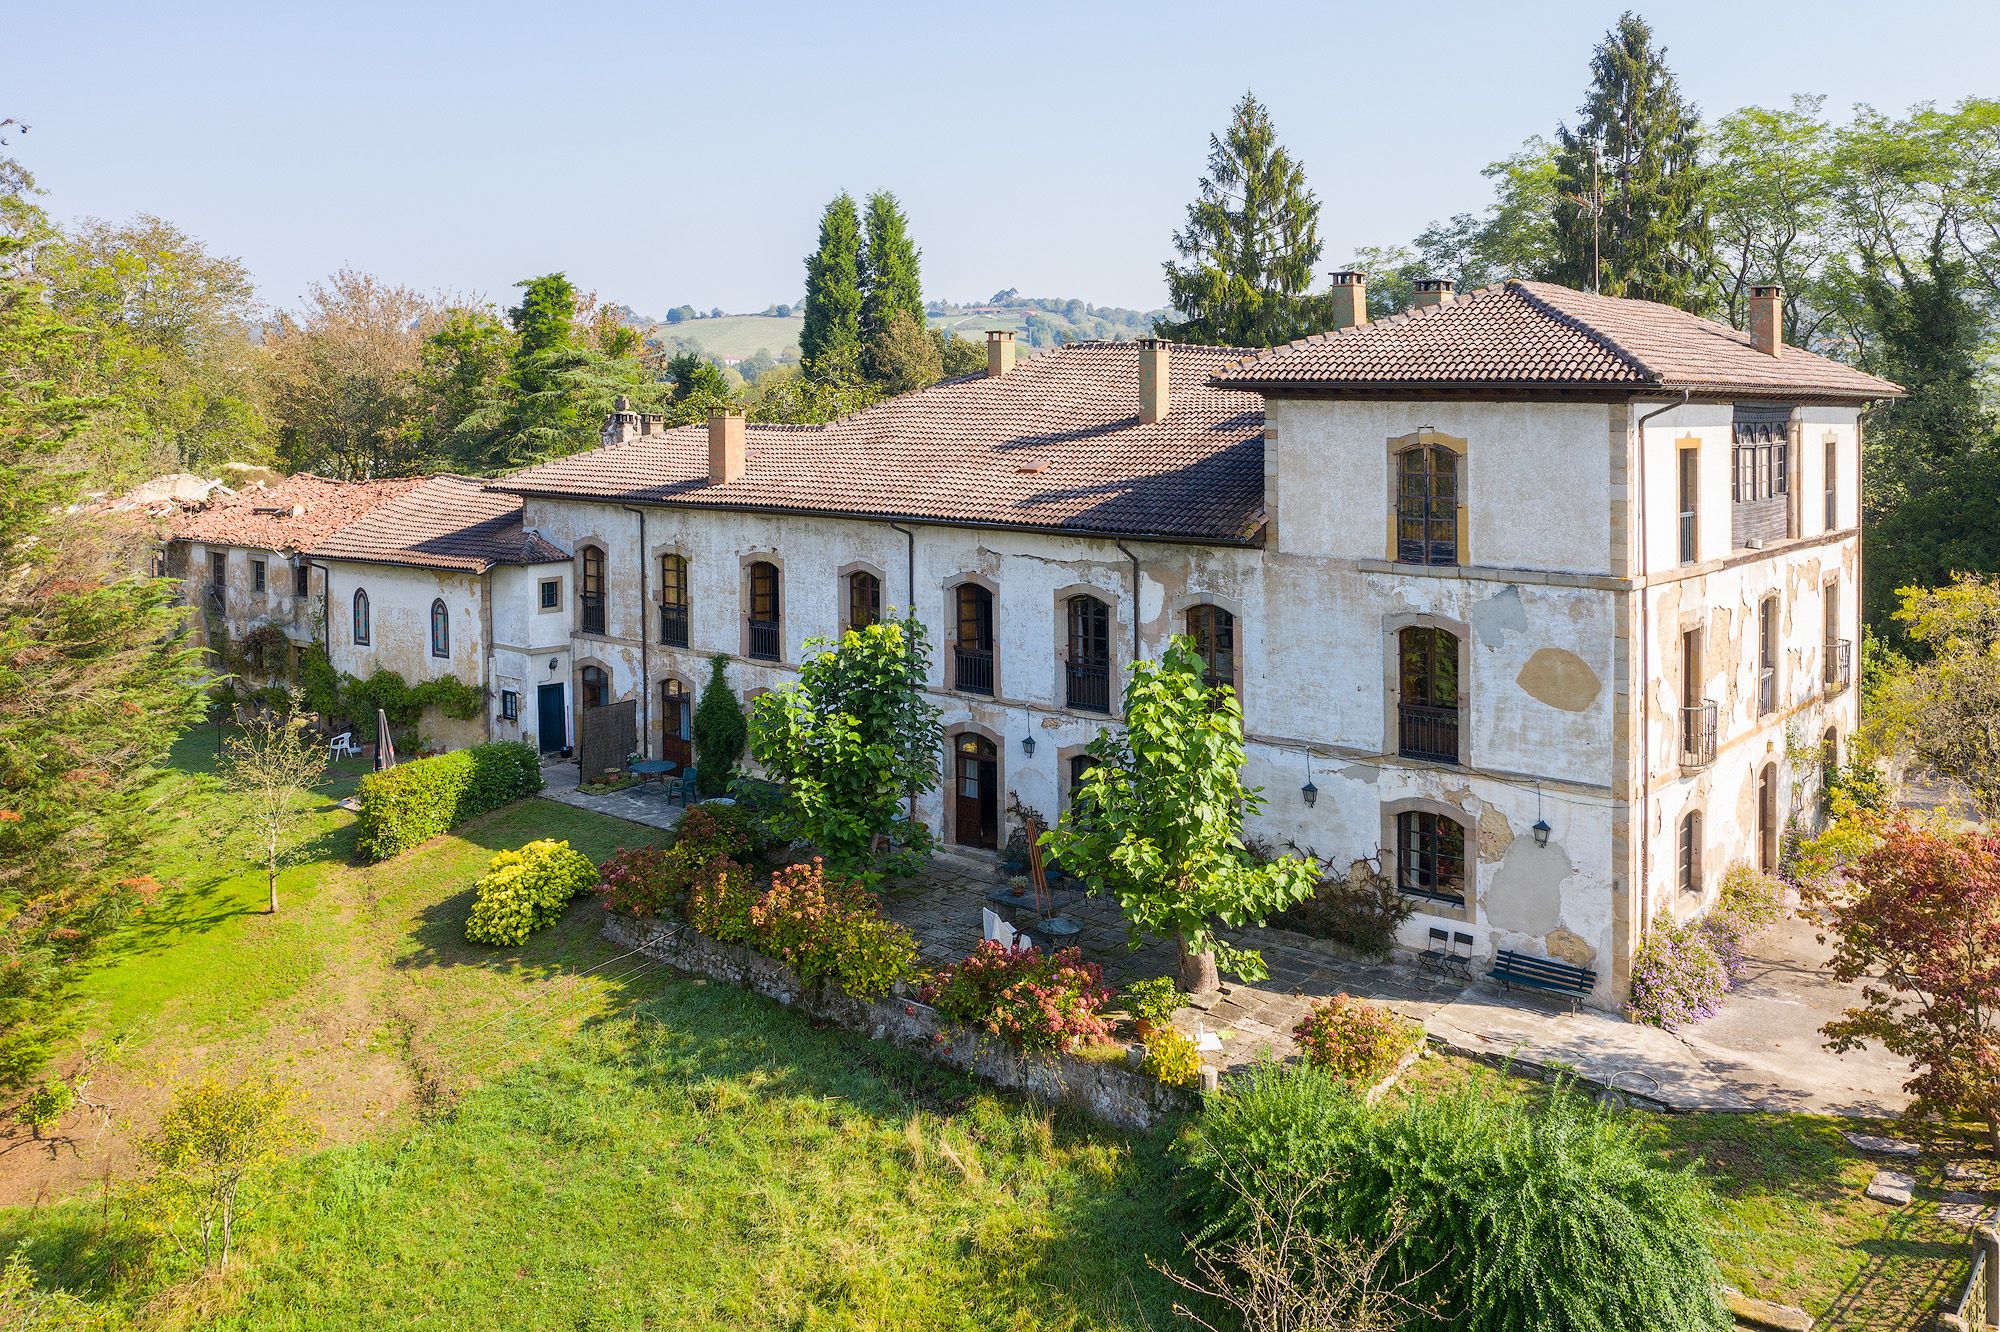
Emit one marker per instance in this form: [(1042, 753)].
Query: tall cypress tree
[(833, 288), (1250, 243), (1651, 239), (891, 284)]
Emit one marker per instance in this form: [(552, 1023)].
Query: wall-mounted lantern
[(1541, 831), (1028, 745), (1309, 791)]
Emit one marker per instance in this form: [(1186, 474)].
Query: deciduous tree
[(1250, 243), (213, 1136), (1943, 709), (1158, 822), (274, 763)]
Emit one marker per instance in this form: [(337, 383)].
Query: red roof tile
[(447, 522), (293, 515), (1537, 335), (1056, 443)]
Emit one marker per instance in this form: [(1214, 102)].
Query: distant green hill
[(1036, 322)]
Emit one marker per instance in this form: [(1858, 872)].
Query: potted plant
[(1151, 1004)]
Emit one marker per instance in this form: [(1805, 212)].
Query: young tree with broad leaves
[(853, 741), (1250, 244), (1918, 924), (1637, 145), (274, 764), (1158, 822), (1943, 709)]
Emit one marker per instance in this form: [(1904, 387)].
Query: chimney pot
[(999, 352), (1155, 379), (1350, 299), (1434, 291), (725, 445), (1767, 319)]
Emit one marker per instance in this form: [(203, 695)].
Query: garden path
[(1763, 1052)]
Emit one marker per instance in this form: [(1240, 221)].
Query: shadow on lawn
[(1917, 1261)]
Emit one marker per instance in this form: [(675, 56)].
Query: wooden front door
[(976, 776)]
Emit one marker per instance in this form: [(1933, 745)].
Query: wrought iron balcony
[(674, 626), (972, 670), (591, 607), (764, 640), (1687, 538), (1837, 666), (1089, 685), (1767, 691), (1427, 732), (1698, 734)]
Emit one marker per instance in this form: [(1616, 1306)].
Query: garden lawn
[(559, 1134)]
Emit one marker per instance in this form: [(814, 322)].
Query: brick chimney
[(1350, 299), (999, 352), (621, 424), (1155, 379), (1767, 319), (725, 445), (1433, 291)]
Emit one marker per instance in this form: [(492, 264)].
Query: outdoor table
[(646, 768)]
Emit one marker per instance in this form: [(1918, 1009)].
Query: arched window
[(596, 687), (972, 652), (1088, 669), (1687, 860), (361, 617), (1427, 500), (590, 594), (1213, 630), (1427, 711), (1430, 856), (864, 599), (674, 600), (676, 722), (440, 629), (764, 609)]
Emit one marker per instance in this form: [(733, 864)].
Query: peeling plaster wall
[(399, 609), (245, 608)]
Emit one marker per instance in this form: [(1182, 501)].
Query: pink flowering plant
[(642, 881), (826, 926), (1038, 1003), (1356, 1040)]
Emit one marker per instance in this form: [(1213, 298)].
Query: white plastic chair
[(343, 745)]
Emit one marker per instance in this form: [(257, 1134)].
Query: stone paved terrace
[(1762, 1053), (645, 803)]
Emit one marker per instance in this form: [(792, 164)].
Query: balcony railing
[(1424, 731), (972, 670), (1767, 691), (1687, 538), (1089, 685), (764, 640), (1838, 665), (591, 606), (1698, 734), (674, 626)]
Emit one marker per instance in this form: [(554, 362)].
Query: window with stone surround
[(1427, 499)]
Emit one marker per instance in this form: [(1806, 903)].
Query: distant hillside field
[(737, 337)]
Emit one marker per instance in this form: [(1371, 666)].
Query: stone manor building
[(1523, 590)]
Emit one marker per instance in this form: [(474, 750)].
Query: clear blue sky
[(665, 153)]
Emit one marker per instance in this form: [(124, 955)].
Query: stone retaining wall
[(1108, 1090)]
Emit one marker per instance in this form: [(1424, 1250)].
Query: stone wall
[(1113, 1092)]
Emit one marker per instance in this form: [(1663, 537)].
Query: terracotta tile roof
[(1531, 335), (1056, 443), (447, 522), (295, 514)]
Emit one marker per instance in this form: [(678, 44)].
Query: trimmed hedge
[(414, 802)]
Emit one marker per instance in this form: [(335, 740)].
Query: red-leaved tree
[(1920, 928)]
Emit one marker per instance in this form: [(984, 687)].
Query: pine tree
[(546, 317), (833, 287), (1637, 147), (891, 283), (1250, 243)]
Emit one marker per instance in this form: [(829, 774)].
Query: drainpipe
[(1136, 653), (1645, 667), (645, 628)]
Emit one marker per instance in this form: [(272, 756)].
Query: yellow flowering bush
[(527, 890)]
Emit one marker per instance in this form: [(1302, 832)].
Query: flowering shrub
[(644, 881), (1034, 1002), (1353, 1039), (1748, 903), (1172, 1057), (719, 828), (1677, 978), (526, 890), (719, 901), (832, 928)]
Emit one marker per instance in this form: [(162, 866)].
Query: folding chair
[(1434, 956), (1457, 961)]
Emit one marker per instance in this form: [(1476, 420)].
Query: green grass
[(558, 1135)]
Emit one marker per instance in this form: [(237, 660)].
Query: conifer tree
[(1636, 148), (1250, 243), (891, 284), (833, 287)]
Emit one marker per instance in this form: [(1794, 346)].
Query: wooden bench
[(1540, 973)]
